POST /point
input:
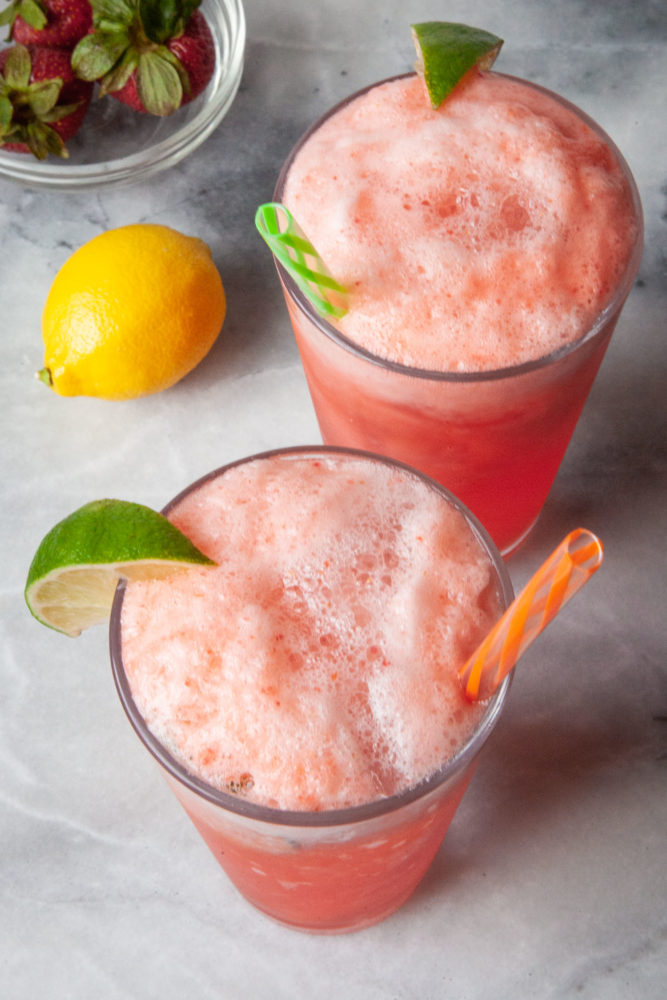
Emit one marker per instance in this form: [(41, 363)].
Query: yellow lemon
[(130, 313)]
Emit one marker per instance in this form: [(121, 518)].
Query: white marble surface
[(552, 882)]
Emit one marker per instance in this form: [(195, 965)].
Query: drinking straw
[(566, 570), (290, 245)]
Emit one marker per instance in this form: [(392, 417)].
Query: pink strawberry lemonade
[(487, 248), (303, 694)]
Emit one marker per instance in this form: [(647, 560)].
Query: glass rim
[(327, 817), (612, 307)]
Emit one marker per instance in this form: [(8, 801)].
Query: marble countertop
[(552, 882)]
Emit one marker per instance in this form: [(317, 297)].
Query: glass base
[(513, 546), (322, 931)]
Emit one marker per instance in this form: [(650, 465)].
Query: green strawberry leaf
[(179, 67), (60, 111), (6, 114), (159, 83), (54, 143), (118, 76), (18, 67), (165, 19), (36, 141), (97, 53), (110, 14), (42, 96), (31, 11), (42, 140), (158, 18)]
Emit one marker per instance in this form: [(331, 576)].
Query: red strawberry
[(57, 23), (42, 103), (151, 55), (195, 51)]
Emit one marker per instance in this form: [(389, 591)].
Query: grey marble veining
[(552, 882)]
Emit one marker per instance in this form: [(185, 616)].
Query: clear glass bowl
[(116, 145)]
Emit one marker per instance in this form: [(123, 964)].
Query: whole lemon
[(130, 313)]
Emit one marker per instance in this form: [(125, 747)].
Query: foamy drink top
[(316, 666), (481, 235)]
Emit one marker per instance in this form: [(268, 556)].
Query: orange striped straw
[(558, 579)]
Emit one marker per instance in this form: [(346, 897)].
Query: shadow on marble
[(533, 774), (614, 473)]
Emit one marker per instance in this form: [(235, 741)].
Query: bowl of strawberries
[(100, 92)]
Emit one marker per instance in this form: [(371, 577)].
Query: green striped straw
[(290, 245)]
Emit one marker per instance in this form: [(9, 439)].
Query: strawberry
[(152, 55), (57, 23), (42, 103)]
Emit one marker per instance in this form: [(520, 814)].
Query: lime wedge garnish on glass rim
[(73, 576), (446, 51)]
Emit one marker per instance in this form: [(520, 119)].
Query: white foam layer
[(484, 234), (316, 665)]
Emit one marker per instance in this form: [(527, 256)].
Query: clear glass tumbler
[(328, 871), (494, 438)]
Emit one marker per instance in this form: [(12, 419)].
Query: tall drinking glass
[(495, 438), (332, 870)]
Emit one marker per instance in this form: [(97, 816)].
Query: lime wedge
[(74, 573), (446, 51)]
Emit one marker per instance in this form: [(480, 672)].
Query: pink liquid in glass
[(302, 696), (487, 248)]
